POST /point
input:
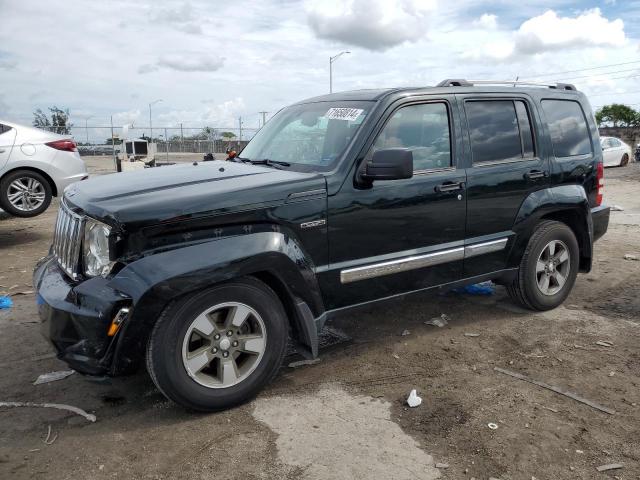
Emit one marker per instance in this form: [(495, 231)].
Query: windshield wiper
[(270, 163), (241, 159)]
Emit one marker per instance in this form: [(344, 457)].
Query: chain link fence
[(106, 140)]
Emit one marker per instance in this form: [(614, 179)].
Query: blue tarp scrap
[(484, 288), (6, 302)]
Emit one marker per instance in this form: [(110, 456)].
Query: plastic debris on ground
[(414, 400), (628, 256), (611, 466), (405, 333), (53, 376), (301, 363), (484, 288), (617, 208), (6, 302), (440, 321)]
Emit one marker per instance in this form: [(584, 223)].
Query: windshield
[(309, 137)]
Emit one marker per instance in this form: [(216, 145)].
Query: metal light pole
[(150, 122), (331, 60), (86, 127)]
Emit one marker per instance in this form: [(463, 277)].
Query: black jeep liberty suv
[(205, 270)]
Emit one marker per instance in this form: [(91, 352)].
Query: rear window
[(499, 130), (567, 127)]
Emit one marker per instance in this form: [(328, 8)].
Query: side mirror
[(390, 164)]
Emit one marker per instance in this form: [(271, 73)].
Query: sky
[(213, 61)]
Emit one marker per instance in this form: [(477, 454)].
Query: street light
[(150, 122), (86, 127), (331, 60)]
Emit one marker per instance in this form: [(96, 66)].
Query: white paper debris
[(440, 321), (53, 376), (414, 400), (617, 208)]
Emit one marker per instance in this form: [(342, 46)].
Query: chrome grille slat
[(67, 240)]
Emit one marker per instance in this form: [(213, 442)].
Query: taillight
[(65, 145), (599, 183)]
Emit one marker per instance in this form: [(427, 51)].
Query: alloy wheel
[(553, 267), (26, 194), (224, 345)]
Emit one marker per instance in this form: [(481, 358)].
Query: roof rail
[(470, 83)]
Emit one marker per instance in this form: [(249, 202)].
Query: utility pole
[(166, 143), (86, 127), (331, 60), (150, 122), (240, 129), (264, 117), (113, 146), (181, 139)]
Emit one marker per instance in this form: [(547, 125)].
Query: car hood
[(168, 193)]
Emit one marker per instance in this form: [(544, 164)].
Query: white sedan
[(615, 152), (35, 166)]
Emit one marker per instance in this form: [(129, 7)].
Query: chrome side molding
[(485, 247), (414, 262), (401, 265)]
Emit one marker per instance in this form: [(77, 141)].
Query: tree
[(228, 135), (59, 122), (112, 141), (618, 115)]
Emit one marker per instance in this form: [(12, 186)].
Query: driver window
[(424, 129)]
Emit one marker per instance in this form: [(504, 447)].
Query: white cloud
[(487, 21), (549, 31), (370, 24), (4, 107), (182, 18), (185, 62)]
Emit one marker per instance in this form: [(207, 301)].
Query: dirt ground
[(345, 417)]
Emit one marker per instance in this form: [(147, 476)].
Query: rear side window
[(499, 130), (4, 128), (567, 127)]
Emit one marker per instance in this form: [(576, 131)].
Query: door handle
[(449, 187), (535, 174)]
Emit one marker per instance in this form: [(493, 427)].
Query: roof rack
[(452, 82)]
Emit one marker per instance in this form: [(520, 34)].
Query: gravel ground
[(345, 417)]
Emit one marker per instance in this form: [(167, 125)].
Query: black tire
[(164, 348), (624, 161), (6, 182), (524, 289)]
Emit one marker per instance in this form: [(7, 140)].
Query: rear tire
[(624, 161), (219, 347), (548, 268), (25, 193)]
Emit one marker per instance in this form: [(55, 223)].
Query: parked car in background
[(615, 152), (35, 166)]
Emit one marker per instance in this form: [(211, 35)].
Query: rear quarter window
[(567, 127), (4, 128)]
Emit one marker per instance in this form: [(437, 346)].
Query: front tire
[(548, 268), (25, 193), (219, 347)]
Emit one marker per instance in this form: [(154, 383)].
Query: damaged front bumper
[(76, 317)]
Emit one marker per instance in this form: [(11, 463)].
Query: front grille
[(67, 240)]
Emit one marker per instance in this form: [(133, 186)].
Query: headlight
[(96, 248)]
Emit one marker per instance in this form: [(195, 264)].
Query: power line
[(598, 74), (581, 69), (614, 93)]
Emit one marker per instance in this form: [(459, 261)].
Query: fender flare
[(154, 281), (566, 203)]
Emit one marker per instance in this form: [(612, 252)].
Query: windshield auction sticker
[(349, 114)]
